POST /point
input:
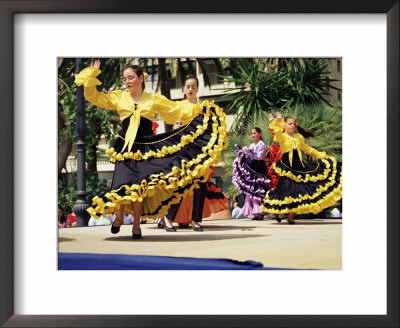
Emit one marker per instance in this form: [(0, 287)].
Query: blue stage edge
[(86, 261)]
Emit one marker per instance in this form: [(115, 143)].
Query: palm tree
[(308, 80), (251, 91), (264, 84)]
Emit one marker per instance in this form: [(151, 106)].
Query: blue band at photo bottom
[(86, 261)]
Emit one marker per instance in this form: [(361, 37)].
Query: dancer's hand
[(278, 117), (270, 118), (95, 64), (243, 148)]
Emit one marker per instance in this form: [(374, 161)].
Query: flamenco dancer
[(302, 187), (152, 172), (205, 200), (250, 175)]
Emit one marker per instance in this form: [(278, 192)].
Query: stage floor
[(309, 244)]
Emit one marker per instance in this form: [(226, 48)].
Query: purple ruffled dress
[(250, 177)]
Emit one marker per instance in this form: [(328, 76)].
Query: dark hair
[(189, 77), (63, 217), (138, 71), (258, 131), (308, 134)]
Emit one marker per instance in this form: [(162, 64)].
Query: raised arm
[(276, 126), (87, 78)]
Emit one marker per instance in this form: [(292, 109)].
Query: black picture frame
[(7, 11)]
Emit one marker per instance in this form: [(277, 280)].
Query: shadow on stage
[(310, 222), (176, 236), (63, 239)]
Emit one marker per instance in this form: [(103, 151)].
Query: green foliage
[(67, 193), (251, 81), (98, 121), (326, 123), (66, 196), (262, 85)]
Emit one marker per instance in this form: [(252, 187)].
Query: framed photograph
[(226, 243), (364, 34)]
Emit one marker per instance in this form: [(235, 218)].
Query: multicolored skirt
[(215, 201), (304, 189), (162, 169), (250, 177)]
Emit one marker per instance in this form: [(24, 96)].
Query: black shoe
[(115, 229), (278, 219), (137, 235), (290, 222), (183, 226), (198, 229), (167, 228)]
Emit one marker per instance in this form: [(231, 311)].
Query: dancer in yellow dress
[(302, 187), (208, 198), (152, 172)]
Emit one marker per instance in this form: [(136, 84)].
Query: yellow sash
[(133, 127)]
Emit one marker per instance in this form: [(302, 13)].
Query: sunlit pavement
[(308, 244)]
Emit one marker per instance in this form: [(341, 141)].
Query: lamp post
[(82, 216), (164, 85)]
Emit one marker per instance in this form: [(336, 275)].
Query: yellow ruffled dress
[(156, 169), (302, 187)]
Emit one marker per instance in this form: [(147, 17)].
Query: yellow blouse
[(148, 106), (288, 143)]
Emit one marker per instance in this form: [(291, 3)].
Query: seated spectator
[(72, 219), (144, 220), (103, 220), (63, 221), (236, 211), (336, 213), (128, 218)]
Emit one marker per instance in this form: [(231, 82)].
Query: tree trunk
[(64, 145), (64, 149)]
